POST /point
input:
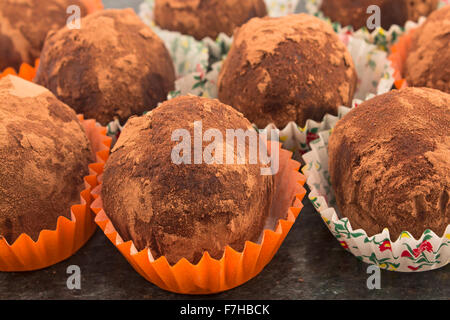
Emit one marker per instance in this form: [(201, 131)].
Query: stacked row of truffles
[(388, 159)]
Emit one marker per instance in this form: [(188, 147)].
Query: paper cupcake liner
[(234, 268), (380, 37), (26, 71), (279, 8), (398, 56), (296, 138), (406, 254), (70, 235)]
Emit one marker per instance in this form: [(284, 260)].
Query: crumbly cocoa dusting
[(206, 18), (45, 155), (114, 65), (180, 211), (427, 64), (419, 8), (389, 162), (354, 13), (24, 24), (285, 69)]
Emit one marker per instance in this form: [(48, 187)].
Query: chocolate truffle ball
[(45, 155), (428, 61), (206, 18), (24, 24), (114, 65), (286, 69), (354, 12), (182, 210), (389, 162)]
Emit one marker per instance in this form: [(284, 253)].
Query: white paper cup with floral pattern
[(405, 254)]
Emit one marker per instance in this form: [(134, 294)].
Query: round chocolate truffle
[(114, 66), (206, 18), (389, 162), (354, 12), (286, 69), (182, 210), (24, 24), (45, 155), (427, 64)]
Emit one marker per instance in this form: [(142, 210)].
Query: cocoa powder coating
[(181, 211), (389, 162), (354, 12), (206, 18), (428, 61), (286, 69), (44, 156), (114, 66), (24, 24)]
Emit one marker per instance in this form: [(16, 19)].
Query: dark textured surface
[(310, 265), (310, 253)]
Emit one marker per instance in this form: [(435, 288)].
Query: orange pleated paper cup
[(26, 71), (54, 246), (210, 275), (398, 56)]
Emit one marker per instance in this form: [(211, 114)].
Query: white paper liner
[(380, 37), (279, 8), (406, 254)]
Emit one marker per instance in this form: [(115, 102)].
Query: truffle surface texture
[(45, 155), (182, 210), (354, 12), (428, 61), (24, 24), (389, 162), (114, 66), (286, 69), (206, 18)]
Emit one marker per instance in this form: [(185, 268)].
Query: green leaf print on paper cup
[(406, 254)]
